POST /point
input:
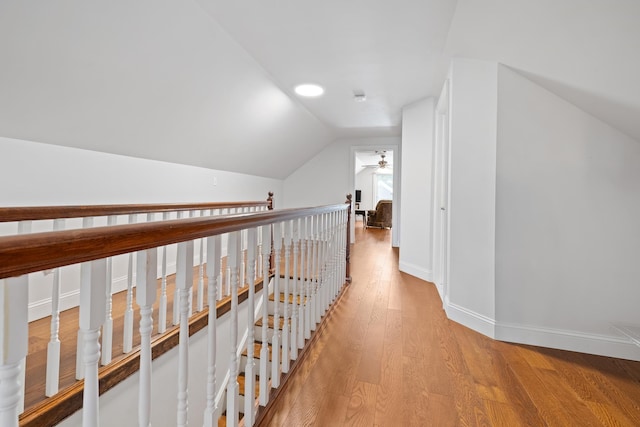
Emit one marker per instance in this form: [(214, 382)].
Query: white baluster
[(147, 267), (320, 269), (53, 348), (326, 265), (213, 269), (162, 309), (107, 328), (201, 273), (176, 306), (184, 280), (93, 286), (191, 215), (127, 337), (264, 350), (302, 332), (328, 262), (250, 376), (287, 281), (295, 307), (14, 342), (24, 227), (275, 348), (308, 276), (242, 280), (314, 270), (86, 223), (233, 258), (334, 257), (337, 251)]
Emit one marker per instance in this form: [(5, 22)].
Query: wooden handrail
[(28, 253), (32, 213)]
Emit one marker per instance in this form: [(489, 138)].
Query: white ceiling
[(587, 51), (389, 50), (372, 157), (209, 82)]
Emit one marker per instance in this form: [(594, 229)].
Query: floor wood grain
[(390, 357)]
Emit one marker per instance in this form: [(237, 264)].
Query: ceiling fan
[(382, 163)]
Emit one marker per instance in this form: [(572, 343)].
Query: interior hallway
[(390, 357)]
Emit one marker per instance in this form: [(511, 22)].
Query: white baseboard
[(476, 321), (42, 308), (602, 345), (416, 271)]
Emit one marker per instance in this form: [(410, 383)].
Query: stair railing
[(55, 218), (323, 273)]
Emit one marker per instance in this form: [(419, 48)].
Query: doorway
[(375, 177)]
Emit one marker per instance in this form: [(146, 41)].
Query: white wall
[(364, 182), (417, 185), (568, 234), (472, 193), (330, 175), (325, 178), (43, 174)]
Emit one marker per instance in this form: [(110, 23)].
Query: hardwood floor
[(390, 357)]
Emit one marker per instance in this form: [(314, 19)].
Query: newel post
[(348, 261), (270, 201), (270, 207)]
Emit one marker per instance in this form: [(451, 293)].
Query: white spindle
[(147, 267), (127, 336), (295, 307), (201, 273), (303, 282), (86, 223), (250, 376), (213, 269), (93, 287), (24, 227), (233, 258), (275, 348), (53, 348), (14, 341), (314, 272), (176, 296), (184, 281), (191, 215), (264, 350), (107, 328), (162, 309), (325, 247), (287, 282), (308, 276), (320, 269), (328, 261), (334, 256)]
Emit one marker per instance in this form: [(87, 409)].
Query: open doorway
[(376, 178)]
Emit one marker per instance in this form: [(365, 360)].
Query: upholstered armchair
[(381, 216)]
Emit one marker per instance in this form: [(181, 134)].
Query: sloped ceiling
[(210, 82), (151, 79), (586, 51), (389, 50)]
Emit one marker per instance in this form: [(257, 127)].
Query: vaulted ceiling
[(210, 82)]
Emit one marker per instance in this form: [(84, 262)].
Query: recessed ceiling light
[(309, 90)]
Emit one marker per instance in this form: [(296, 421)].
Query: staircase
[(259, 353), (309, 245)]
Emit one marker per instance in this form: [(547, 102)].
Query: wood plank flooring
[(390, 357)]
